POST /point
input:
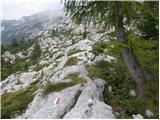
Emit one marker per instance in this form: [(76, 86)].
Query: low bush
[(98, 48), (19, 65)]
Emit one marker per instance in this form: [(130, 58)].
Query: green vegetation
[(148, 22), (147, 52), (73, 51), (39, 67), (20, 64), (51, 54), (51, 87), (98, 48), (48, 53), (19, 45), (59, 56), (117, 75), (72, 61), (74, 77), (15, 103), (111, 15), (36, 53)]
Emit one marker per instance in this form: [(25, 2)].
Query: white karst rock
[(148, 113), (138, 116), (82, 100), (132, 93), (75, 102), (90, 104), (18, 81)]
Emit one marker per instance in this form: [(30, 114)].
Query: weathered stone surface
[(44, 107), (132, 93), (18, 81), (138, 116), (148, 113), (90, 104), (79, 101)]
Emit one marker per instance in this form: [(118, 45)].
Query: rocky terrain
[(59, 85), (80, 99)]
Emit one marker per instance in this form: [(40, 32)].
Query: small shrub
[(19, 65), (100, 69), (36, 53), (73, 51), (98, 48), (135, 106), (72, 61)]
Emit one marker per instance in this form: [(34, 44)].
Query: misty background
[(16, 9)]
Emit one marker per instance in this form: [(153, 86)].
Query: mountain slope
[(30, 26), (59, 86)]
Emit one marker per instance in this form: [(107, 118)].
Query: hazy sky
[(15, 9)]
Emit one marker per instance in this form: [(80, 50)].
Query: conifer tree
[(36, 53), (116, 16)]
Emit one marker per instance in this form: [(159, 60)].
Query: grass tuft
[(72, 61), (74, 77), (73, 51), (51, 87)]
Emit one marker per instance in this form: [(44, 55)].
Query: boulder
[(90, 105), (148, 113), (110, 89), (44, 107), (138, 116), (132, 93)]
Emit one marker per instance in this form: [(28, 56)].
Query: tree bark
[(130, 60)]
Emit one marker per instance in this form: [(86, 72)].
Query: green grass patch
[(73, 51), (39, 67), (50, 87), (74, 77), (15, 103), (98, 48), (72, 61)]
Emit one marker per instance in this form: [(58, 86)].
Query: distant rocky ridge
[(30, 26)]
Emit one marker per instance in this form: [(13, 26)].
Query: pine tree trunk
[(130, 60)]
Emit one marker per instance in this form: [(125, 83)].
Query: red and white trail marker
[(57, 101)]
